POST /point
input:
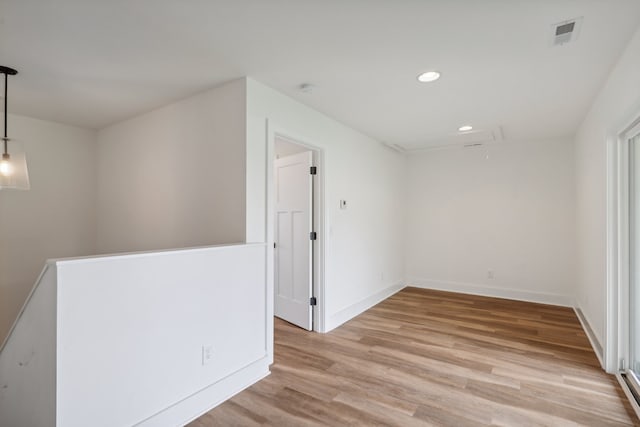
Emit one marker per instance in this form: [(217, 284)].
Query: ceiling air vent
[(566, 31), (479, 136)]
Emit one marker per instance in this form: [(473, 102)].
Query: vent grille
[(565, 28), (476, 138), (565, 31)]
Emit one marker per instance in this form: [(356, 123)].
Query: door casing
[(274, 131)]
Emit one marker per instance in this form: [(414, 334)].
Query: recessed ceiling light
[(465, 128), (429, 76)]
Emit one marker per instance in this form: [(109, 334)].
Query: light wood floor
[(434, 358)]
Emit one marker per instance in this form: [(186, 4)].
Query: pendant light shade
[(13, 162)]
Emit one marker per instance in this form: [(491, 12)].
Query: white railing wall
[(148, 338)]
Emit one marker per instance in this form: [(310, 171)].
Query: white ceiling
[(95, 62)]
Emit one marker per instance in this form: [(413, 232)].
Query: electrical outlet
[(489, 274), (207, 354)]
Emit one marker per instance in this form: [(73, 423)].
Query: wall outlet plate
[(207, 354)]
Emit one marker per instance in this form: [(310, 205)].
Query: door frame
[(616, 345), (617, 339), (275, 131)]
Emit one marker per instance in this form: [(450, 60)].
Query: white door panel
[(293, 253)]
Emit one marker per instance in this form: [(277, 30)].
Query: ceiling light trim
[(429, 76)]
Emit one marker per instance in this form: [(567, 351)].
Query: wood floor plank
[(433, 358)]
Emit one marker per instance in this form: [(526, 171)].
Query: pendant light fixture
[(13, 164)]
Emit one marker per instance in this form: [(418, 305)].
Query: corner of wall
[(595, 342), (361, 306)]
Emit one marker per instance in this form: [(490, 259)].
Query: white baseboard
[(353, 310), (208, 398), (593, 339), (488, 291)]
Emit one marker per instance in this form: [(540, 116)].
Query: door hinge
[(313, 235), (313, 301), (313, 170), (274, 245)]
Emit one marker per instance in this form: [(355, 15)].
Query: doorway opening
[(295, 228)]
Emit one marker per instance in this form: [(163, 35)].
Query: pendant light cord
[(5, 139)]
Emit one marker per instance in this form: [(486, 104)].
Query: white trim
[(142, 254), (612, 315), (593, 339), (483, 290), (622, 251), (361, 306), (273, 131), (269, 239), (205, 400)]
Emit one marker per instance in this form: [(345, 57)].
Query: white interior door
[(293, 248)]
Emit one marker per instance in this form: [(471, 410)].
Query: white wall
[(174, 177), (284, 148), (364, 243), (135, 346), (56, 218), (28, 361), (617, 102), (508, 208)]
